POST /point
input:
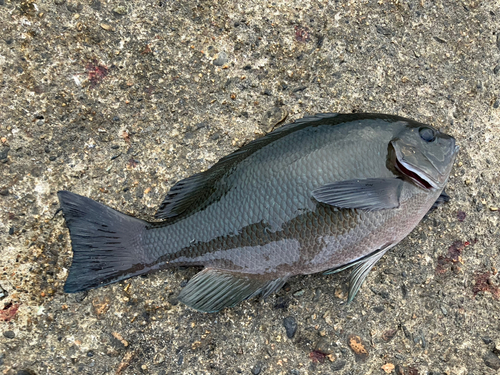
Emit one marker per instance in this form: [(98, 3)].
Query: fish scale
[(322, 194), (225, 218)]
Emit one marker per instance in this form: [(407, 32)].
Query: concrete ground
[(118, 100)]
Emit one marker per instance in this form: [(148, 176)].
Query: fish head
[(423, 155)]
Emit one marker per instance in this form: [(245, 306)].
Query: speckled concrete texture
[(118, 100)]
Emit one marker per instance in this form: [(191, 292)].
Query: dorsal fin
[(198, 191)]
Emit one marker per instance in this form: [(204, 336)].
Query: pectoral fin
[(212, 290), (366, 194)]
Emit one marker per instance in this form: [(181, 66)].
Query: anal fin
[(212, 290), (361, 269)]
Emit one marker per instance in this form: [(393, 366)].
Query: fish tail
[(106, 243)]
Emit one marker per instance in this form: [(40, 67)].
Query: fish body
[(327, 192)]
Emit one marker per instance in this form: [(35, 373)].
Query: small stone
[(211, 51), (4, 192), (496, 349), (4, 153), (59, 2), (74, 6), (221, 59), (158, 359), (119, 337), (125, 362), (257, 369), (388, 368), (496, 69), (9, 334), (338, 365), (400, 370), (404, 289), (389, 334), (440, 40), (487, 340), (328, 318), (120, 10), (358, 347), (273, 117), (299, 89), (324, 345), (12, 230), (496, 104), (3, 293), (384, 30), (491, 360), (106, 27), (79, 297), (290, 325), (96, 5), (317, 295)]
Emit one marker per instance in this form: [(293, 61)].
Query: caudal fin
[(106, 243)]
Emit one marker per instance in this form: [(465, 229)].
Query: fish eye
[(427, 134)]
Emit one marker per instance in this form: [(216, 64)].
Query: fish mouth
[(419, 177), (424, 163)]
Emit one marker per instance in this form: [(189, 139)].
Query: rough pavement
[(119, 100)]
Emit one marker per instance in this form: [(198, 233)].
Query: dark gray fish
[(327, 192)]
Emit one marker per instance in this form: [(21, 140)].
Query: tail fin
[(106, 243)]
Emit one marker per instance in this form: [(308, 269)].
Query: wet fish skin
[(324, 193)]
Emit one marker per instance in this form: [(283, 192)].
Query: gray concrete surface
[(119, 100)]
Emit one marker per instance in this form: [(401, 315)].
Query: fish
[(322, 194)]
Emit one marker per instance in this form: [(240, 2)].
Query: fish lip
[(419, 177)]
